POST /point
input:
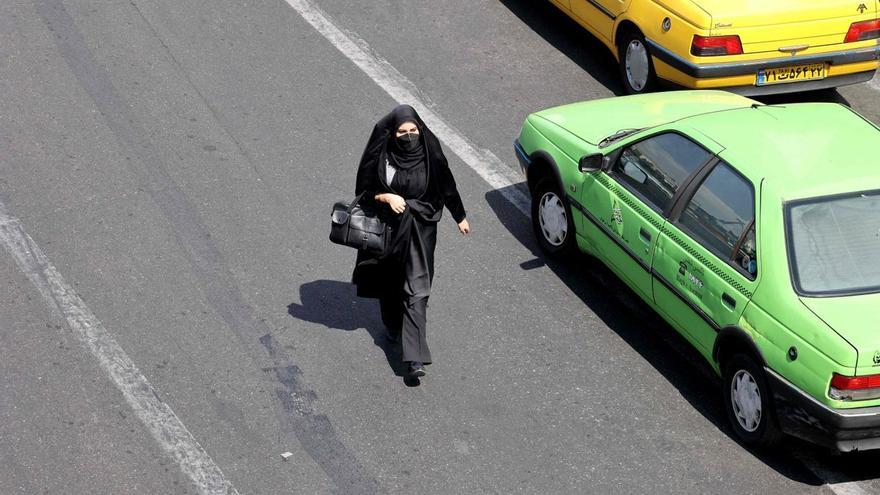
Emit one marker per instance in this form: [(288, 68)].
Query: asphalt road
[(175, 161)]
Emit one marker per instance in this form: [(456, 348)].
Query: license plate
[(792, 74)]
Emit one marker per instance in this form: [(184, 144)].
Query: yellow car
[(748, 46)]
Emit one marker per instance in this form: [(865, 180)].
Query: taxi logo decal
[(876, 358), (862, 8), (617, 215), (690, 276), (617, 220)]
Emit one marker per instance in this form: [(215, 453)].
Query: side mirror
[(591, 163)]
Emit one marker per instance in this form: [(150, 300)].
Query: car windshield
[(834, 244)]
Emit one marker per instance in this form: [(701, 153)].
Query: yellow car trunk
[(768, 25)]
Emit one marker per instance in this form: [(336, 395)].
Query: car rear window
[(834, 244)]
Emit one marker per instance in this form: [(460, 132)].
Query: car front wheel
[(551, 219), (749, 402), (636, 66)]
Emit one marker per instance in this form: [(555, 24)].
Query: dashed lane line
[(165, 427), (482, 161)]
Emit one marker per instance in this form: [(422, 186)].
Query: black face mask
[(408, 142)]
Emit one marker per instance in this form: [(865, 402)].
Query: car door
[(599, 14), (705, 262), (626, 203)]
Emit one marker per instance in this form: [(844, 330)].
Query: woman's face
[(408, 128)]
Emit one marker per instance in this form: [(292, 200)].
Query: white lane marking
[(166, 428), (831, 478), (482, 161)]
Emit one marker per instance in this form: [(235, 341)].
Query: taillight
[(706, 46), (861, 31), (854, 387)]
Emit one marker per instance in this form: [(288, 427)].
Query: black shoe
[(416, 369)]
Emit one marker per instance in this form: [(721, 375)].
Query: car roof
[(594, 120), (803, 149)]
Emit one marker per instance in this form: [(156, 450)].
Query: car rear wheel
[(749, 402), (551, 219), (636, 66)]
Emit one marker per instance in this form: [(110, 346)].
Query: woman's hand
[(397, 203), (464, 227)]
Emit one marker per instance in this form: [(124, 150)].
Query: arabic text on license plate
[(795, 73)]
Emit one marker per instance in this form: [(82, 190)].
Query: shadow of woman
[(335, 305)]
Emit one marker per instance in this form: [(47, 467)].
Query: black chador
[(415, 169)]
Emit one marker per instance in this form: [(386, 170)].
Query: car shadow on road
[(335, 305), (643, 330), (570, 39), (823, 95)]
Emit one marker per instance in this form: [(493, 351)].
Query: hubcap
[(746, 399), (637, 66), (551, 215)]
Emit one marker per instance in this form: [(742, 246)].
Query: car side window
[(720, 216), (746, 256), (655, 167)]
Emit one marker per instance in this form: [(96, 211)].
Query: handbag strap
[(356, 201)]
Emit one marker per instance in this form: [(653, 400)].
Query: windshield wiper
[(618, 135)]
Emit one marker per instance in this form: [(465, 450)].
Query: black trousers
[(405, 304), (407, 317)]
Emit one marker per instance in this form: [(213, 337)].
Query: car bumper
[(845, 67), (828, 82), (802, 416), (704, 71), (521, 156)]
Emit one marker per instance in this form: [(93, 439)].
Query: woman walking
[(405, 175)]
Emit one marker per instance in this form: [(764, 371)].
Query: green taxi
[(753, 229)]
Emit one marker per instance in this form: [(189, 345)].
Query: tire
[(551, 220), (745, 392), (636, 66)]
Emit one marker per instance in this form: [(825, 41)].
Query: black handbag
[(351, 225)]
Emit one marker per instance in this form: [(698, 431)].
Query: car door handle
[(728, 300), (645, 235)]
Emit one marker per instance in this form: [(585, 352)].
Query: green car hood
[(595, 120), (856, 319)]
